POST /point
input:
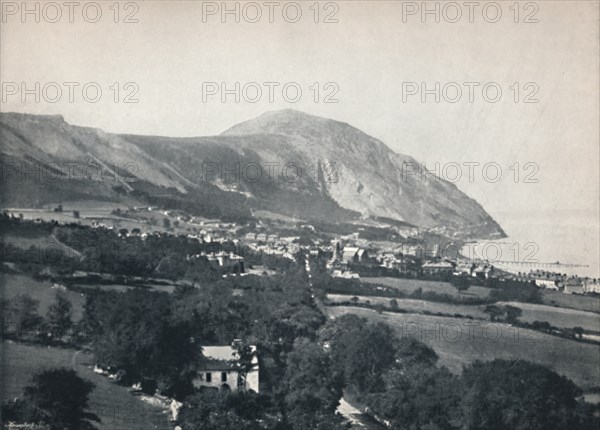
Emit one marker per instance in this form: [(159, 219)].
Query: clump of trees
[(507, 313), (401, 382), (56, 399), (21, 319)]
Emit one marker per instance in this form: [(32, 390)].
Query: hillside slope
[(286, 162)]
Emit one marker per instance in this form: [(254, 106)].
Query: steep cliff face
[(286, 162)]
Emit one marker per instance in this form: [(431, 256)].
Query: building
[(547, 283), (482, 272), (438, 268), (350, 254), (592, 286), (574, 286), (354, 254), (221, 369), (344, 274), (261, 237), (222, 259)]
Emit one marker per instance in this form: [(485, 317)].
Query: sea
[(565, 241)]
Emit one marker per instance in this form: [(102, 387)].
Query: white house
[(547, 283), (592, 286), (221, 369)]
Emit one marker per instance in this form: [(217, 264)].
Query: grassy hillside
[(410, 285), (117, 408)]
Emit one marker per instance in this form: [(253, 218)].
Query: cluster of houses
[(561, 282), (341, 254), (221, 259), (272, 244)]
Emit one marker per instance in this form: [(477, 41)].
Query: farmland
[(42, 291), (122, 288), (415, 306), (458, 341), (557, 317), (116, 407), (410, 285), (584, 303)]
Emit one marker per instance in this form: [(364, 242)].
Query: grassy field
[(43, 245), (122, 288), (13, 284), (551, 298), (95, 211), (457, 343), (410, 285), (584, 303), (558, 317), (416, 306), (117, 408)]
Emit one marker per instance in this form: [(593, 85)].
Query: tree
[(311, 389), (135, 332), (24, 314), (519, 395), (59, 316), (512, 313), (4, 312), (418, 396), (166, 223), (394, 304), (365, 352), (494, 311), (240, 410), (76, 214), (461, 283), (246, 355), (60, 399)]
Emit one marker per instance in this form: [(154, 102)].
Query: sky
[(369, 61)]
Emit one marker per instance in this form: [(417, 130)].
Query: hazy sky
[(368, 54)]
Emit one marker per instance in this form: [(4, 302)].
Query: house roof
[(440, 265), (223, 357)]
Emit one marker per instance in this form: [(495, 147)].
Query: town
[(335, 271)]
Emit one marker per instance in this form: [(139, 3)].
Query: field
[(551, 298), (97, 211), (123, 288), (117, 408), (416, 306), (459, 341), (410, 285), (584, 303), (42, 246), (42, 291), (558, 317)]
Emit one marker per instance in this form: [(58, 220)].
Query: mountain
[(284, 162)]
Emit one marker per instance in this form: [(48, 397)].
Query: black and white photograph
[(300, 215)]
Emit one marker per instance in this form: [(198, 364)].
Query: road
[(358, 419)]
